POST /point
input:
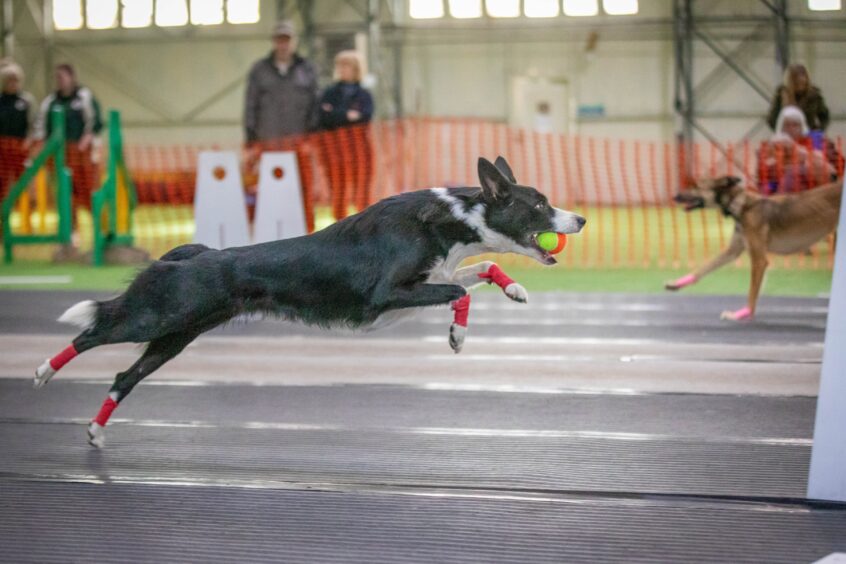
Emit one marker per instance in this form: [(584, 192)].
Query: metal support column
[(683, 97), (7, 27), (782, 34), (305, 8), (374, 42), (49, 48)]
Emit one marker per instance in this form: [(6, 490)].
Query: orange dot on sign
[(219, 172), (562, 242), (278, 172)]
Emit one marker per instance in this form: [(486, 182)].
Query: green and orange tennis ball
[(552, 242)]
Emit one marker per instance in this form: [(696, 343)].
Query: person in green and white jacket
[(82, 126)]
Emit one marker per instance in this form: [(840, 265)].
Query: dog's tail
[(83, 314)]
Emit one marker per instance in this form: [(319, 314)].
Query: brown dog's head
[(709, 193)]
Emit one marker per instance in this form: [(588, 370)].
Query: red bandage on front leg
[(461, 307), (63, 357), (105, 411), (497, 276)]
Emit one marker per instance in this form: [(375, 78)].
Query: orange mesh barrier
[(624, 187)]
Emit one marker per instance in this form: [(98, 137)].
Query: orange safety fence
[(624, 187)]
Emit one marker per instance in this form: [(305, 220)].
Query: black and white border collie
[(368, 270)]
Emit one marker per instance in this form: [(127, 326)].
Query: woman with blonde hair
[(346, 151), (790, 161), (797, 90), (18, 110)]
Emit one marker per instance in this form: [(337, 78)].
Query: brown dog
[(782, 225)]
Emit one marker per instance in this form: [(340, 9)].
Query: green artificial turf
[(730, 280), (622, 249)]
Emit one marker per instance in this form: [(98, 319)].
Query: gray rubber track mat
[(209, 455), (676, 318), (48, 522), (712, 417), (198, 471)]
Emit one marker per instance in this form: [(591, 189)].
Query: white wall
[(159, 78), (464, 69)]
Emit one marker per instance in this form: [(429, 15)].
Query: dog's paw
[(456, 337), (517, 292), (741, 314), (679, 283), (43, 374), (96, 435)]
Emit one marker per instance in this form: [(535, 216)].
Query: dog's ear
[(495, 186), (503, 167), (727, 182)]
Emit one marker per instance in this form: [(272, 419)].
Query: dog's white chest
[(442, 272), (444, 269)]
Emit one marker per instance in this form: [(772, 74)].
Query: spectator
[(798, 90), (345, 102), (17, 115), (347, 153), (543, 118), (281, 101), (793, 159), (82, 127)]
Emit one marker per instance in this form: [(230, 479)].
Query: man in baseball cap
[(281, 91), (284, 28), (281, 98)]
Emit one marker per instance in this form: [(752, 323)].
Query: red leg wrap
[(105, 411), (63, 357), (497, 276), (461, 307)]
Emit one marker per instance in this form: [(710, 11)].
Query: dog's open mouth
[(546, 256), (690, 201)]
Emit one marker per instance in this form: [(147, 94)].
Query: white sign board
[(279, 204), (220, 213), (827, 479)]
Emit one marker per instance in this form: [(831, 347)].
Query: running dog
[(370, 269), (783, 225)]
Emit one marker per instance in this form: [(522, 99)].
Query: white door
[(539, 104)]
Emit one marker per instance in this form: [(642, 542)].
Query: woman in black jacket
[(798, 90), (346, 149), (17, 115)]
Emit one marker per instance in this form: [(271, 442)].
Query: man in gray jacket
[(280, 106), (281, 91)]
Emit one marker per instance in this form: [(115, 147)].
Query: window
[(171, 13), (67, 14), (101, 14), (620, 7), (463, 9), (824, 5), (107, 14), (136, 13), (242, 11), (540, 8), (426, 9), (581, 7), (503, 8), (468, 9), (206, 12)]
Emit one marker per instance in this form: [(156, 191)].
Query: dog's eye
[(540, 205)]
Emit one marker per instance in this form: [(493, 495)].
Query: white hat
[(284, 27)]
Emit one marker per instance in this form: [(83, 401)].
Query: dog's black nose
[(581, 221)]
